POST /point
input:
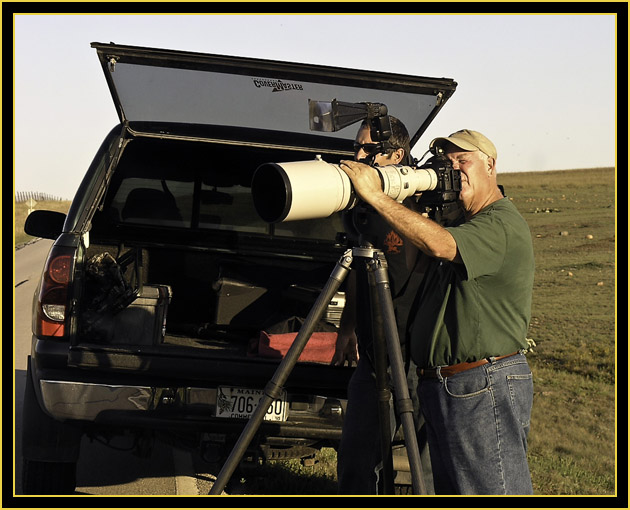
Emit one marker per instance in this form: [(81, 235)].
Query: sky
[(541, 87)]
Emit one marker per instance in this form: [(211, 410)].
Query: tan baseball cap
[(469, 141)]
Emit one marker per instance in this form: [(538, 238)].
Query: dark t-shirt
[(403, 268)]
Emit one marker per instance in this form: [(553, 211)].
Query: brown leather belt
[(432, 373)]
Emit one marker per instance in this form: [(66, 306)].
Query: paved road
[(29, 261), (100, 470)]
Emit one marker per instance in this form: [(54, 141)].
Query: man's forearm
[(426, 234)]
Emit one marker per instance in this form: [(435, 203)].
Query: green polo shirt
[(480, 308)]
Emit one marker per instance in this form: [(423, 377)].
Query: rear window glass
[(187, 185), (189, 96)]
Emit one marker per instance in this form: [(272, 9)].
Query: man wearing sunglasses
[(360, 450)]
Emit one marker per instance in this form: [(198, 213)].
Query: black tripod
[(384, 332)]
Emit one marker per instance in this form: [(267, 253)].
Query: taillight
[(51, 312), (60, 269)]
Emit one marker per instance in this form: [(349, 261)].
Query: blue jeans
[(360, 446), (478, 421)]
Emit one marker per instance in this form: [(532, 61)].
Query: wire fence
[(37, 196)]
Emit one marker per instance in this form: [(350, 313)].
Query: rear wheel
[(48, 478)]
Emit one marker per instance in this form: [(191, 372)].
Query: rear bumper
[(66, 400), (131, 388), (181, 408)]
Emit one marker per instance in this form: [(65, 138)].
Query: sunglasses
[(368, 148)]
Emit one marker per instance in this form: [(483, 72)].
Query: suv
[(166, 302)]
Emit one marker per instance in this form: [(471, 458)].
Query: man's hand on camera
[(365, 179), (346, 350)]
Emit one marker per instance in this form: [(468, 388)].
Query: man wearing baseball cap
[(469, 333)]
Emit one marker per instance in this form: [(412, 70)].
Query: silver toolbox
[(142, 322)]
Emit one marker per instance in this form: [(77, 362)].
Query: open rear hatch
[(258, 100), (204, 271)]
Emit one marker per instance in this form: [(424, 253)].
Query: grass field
[(571, 215), (572, 442)]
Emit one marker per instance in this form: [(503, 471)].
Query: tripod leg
[(382, 386), (404, 403), (273, 389)]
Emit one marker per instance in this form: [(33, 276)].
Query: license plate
[(242, 402)]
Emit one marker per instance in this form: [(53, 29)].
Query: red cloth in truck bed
[(320, 348)]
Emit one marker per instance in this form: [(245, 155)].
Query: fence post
[(23, 196)]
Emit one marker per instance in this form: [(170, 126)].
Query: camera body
[(449, 183)]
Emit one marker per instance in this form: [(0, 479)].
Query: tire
[(48, 478)]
